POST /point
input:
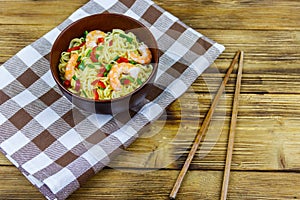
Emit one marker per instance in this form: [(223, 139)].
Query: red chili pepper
[(94, 82), (122, 60), (76, 66), (100, 40), (67, 83), (96, 95), (101, 85), (75, 48), (93, 55), (101, 72), (77, 85), (126, 82), (98, 83)]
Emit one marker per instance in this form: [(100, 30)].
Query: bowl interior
[(106, 23)]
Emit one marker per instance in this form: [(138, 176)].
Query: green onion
[(99, 48), (105, 74), (84, 93), (132, 62), (129, 39), (130, 78), (81, 66), (75, 78), (85, 34), (108, 67), (89, 53), (97, 63), (139, 81), (91, 66), (116, 58), (79, 58)]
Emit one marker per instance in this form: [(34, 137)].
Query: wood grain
[(266, 155), (147, 185)]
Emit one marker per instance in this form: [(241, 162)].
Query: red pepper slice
[(99, 83), (101, 72), (93, 55), (126, 82), (110, 43), (67, 83), (122, 60), (96, 95), (75, 48), (94, 82), (77, 85), (100, 40)]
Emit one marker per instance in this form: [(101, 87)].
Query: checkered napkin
[(56, 145)]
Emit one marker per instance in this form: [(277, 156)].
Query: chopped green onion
[(81, 66), (97, 56), (79, 58), (116, 58), (105, 74), (89, 53), (99, 48), (97, 63), (129, 39), (91, 66), (130, 78), (85, 34), (84, 93), (139, 81), (75, 78), (108, 67), (132, 62)]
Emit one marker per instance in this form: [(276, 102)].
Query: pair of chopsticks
[(206, 123)]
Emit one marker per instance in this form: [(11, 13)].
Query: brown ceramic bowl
[(104, 22)]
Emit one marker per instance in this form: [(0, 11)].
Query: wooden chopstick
[(203, 128), (232, 129)]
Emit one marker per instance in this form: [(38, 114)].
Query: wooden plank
[(4, 160), (37, 12), (198, 185), (259, 45), (138, 184), (253, 149), (222, 14)]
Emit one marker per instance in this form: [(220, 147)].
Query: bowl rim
[(73, 95)]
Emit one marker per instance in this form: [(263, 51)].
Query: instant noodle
[(103, 66)]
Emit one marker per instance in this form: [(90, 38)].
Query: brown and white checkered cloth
[(56, 145)]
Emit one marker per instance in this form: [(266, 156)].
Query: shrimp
[(70, 67), (144, 58), (92, 38), (117, 70)]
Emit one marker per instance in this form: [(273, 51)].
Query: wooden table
[(266, 156)]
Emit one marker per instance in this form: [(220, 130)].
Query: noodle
[(105, 70)]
